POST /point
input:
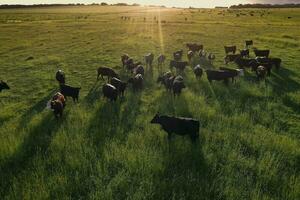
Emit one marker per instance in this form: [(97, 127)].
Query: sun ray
[(160, 33)]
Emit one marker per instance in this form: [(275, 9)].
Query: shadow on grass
[(35, 109), (186, 173), (111, 120), (282, 82), (36, 143), (94, 94)]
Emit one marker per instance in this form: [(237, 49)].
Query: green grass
[(249, 134)]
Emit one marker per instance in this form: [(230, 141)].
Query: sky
[(169, 3)]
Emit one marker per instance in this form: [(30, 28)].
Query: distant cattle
[(190, 55), (211, 57), (276, 62), (261, 72), (248, 43), (3, 86), (161, 60), (106, 71), (109, 91), (139, 70), (69, 91), (178, 55), (198, 71), (231, 58), (130, 64), (179, 65), (194, 47), (265, 62), (262, 53), (166, 80), (244, 52), (149, 59), (236, 72), (120, 85), (57, 104), (60, 77), (178, 125), (202, 54), (124, 58), (137, 82), (178, 85), (245, 62), (230, 49), (219, 75)]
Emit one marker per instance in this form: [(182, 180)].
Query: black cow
[(194, 47), (166, 80), (198, 71), (161, 60), (130, 64), (179, 65), (124, 58), (248, 43), (120, 85), (69, 91), (231, 58), (178, 85), (106, 71), (236, 72), (230, 49), (245, 53), (149, 59), (178, 125), (265, 62), (109, 91), (219, 75), (262, 53), (178, 55), (245, 62), (139, 70), (3, 86), (137, 82), (60, 77), (276, 62), (260, 73)]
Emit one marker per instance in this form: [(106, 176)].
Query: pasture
[(249, 131)]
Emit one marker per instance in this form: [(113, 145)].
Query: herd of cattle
[(173, 82)]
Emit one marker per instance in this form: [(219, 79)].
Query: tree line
[(257, 5)]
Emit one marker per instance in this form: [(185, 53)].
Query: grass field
[(249, 135)]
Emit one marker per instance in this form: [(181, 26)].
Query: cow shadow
[(114, 119), (35, 109), (94, 94), (283, 82), (185, 170), (36, 143)]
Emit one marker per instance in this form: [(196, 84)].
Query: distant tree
[(104, 4), (257, 5)]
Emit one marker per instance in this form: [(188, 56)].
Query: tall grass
[(249, 131)]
